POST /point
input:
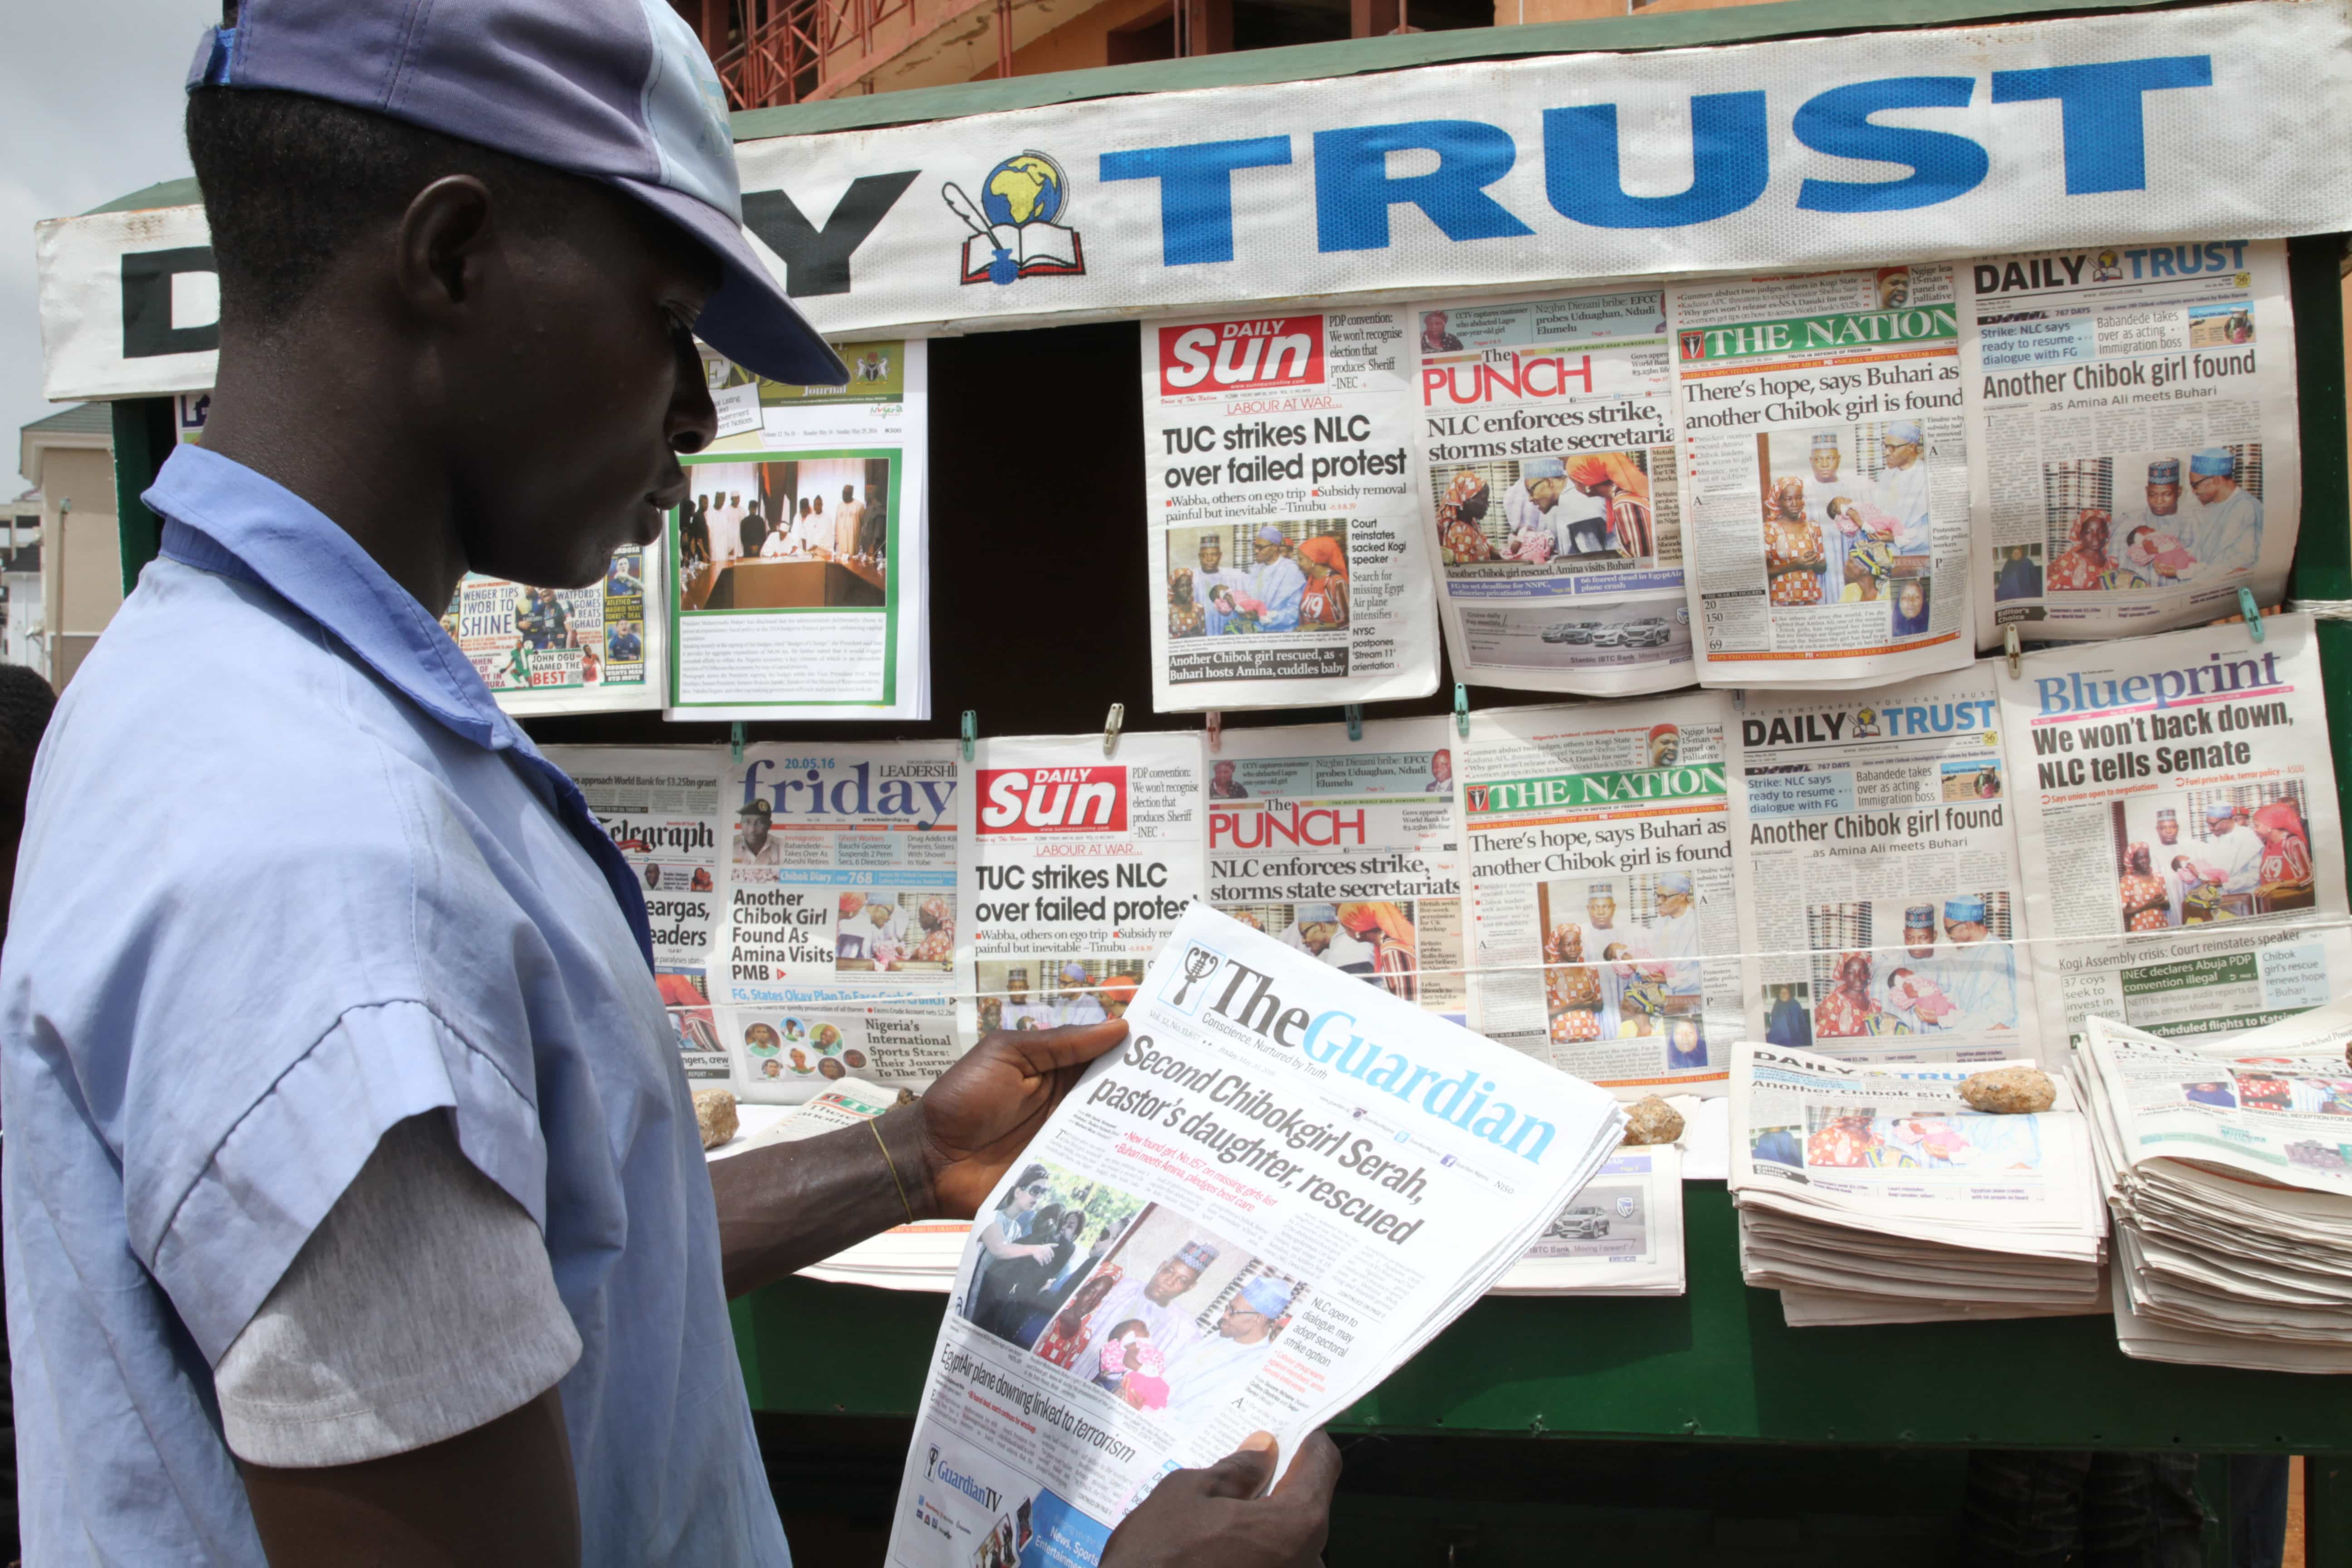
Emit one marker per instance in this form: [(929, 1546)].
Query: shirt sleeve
[(423, 1305)]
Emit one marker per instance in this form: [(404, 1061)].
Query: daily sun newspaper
[(2175, 795), (1285, 541), (1880, 898), (1303, 1178), (2132, 414)]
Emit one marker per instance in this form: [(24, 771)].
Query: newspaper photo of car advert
[(1081, 866), (2176, 797), (659, 804), (1346, 849), (1877, 1193), (2228, 1166), (567, 650), (1879, 896), (2132, 411), (1825, 476), (1603, 939), (842, 941), (1285, 558), (1621, 1235), (1302, 1180), (1547, 450)]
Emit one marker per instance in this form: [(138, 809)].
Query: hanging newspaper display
[(1081, 867), (1346, 850), (1552, 492), (799, 557), (1880, 899), (1286, 565), (2132, 408), (1824, 477), (567, 650), (1599, 855), (2176, 798)]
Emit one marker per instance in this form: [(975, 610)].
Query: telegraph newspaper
[(1880, 901), (1279, 1188), (798, 558), (1547, 450), (841, 942), (1825, 476), (1346, 850), (660, 806), (2133, 414), (1285, 558), (2176, 799), (565, 650), (1599, 846), (1081, 866)]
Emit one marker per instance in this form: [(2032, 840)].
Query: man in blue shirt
[(354, 1198)]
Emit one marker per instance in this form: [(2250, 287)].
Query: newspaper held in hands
[(1283, 1185)]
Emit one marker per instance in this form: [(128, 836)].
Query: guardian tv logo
[(1249, 356), (1190, 987)]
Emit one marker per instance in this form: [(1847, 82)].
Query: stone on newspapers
[(2010, 1091)]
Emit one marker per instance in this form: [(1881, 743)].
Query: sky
[(91, 98)]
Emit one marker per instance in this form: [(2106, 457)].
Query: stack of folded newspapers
[(1622, 1236), (2229, 1165), (1874, 1194)]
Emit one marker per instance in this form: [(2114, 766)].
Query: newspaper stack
[(1622, 1236), (2229, 1165), (1874, 1194)]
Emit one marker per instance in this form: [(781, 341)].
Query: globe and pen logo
[(1015, 228)]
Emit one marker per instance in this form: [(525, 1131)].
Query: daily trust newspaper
[(567, 650), (1547, 451), (1305, 1179), (1604, 939), (1825, 476), (840, 951), (1285, 558), (2175, 798), (2133, 413), (1346, 850), (1880, 896), (1081, 866)]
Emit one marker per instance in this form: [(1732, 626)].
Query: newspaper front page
[(2133, 410), (1081, 866), (843, 949), (1604, 938), (1825, 476), (1880, 899), (1547, 458), (567, 650), (2176, 798), (660, 806), (1286, 564), (1346, 850), (1296, 1180), (798, 560)]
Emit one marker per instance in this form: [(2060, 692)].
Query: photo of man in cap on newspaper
[(410, 1253)]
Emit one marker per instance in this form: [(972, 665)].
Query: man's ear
[(447, 233)]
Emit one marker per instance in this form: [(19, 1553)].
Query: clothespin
[(2253, 612), (1354, 714), (2010, 651), (1461, 710), (1216, 728), (735, 743), (1112, 722), (971, 732)]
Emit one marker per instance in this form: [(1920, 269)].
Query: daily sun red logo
[(1052, 800), (1242, 356)]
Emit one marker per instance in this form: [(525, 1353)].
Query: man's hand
[(981, 1115), (1216, 1516)]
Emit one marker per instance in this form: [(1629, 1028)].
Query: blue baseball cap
[(614, 90)]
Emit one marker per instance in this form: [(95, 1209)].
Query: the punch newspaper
[(1282, 1186), (1284, 538)]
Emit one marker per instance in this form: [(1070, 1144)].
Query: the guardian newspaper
[(1880, 899), (1600, 889), (1285, 559), (2175, 798), (2131, 413), (1550, 491), (567, 650), (1825, 477), (1281, 1187)]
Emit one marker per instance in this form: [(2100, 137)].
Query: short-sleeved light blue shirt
[(288, 876)]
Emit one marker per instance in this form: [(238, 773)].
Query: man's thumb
[(1244, 1472)]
